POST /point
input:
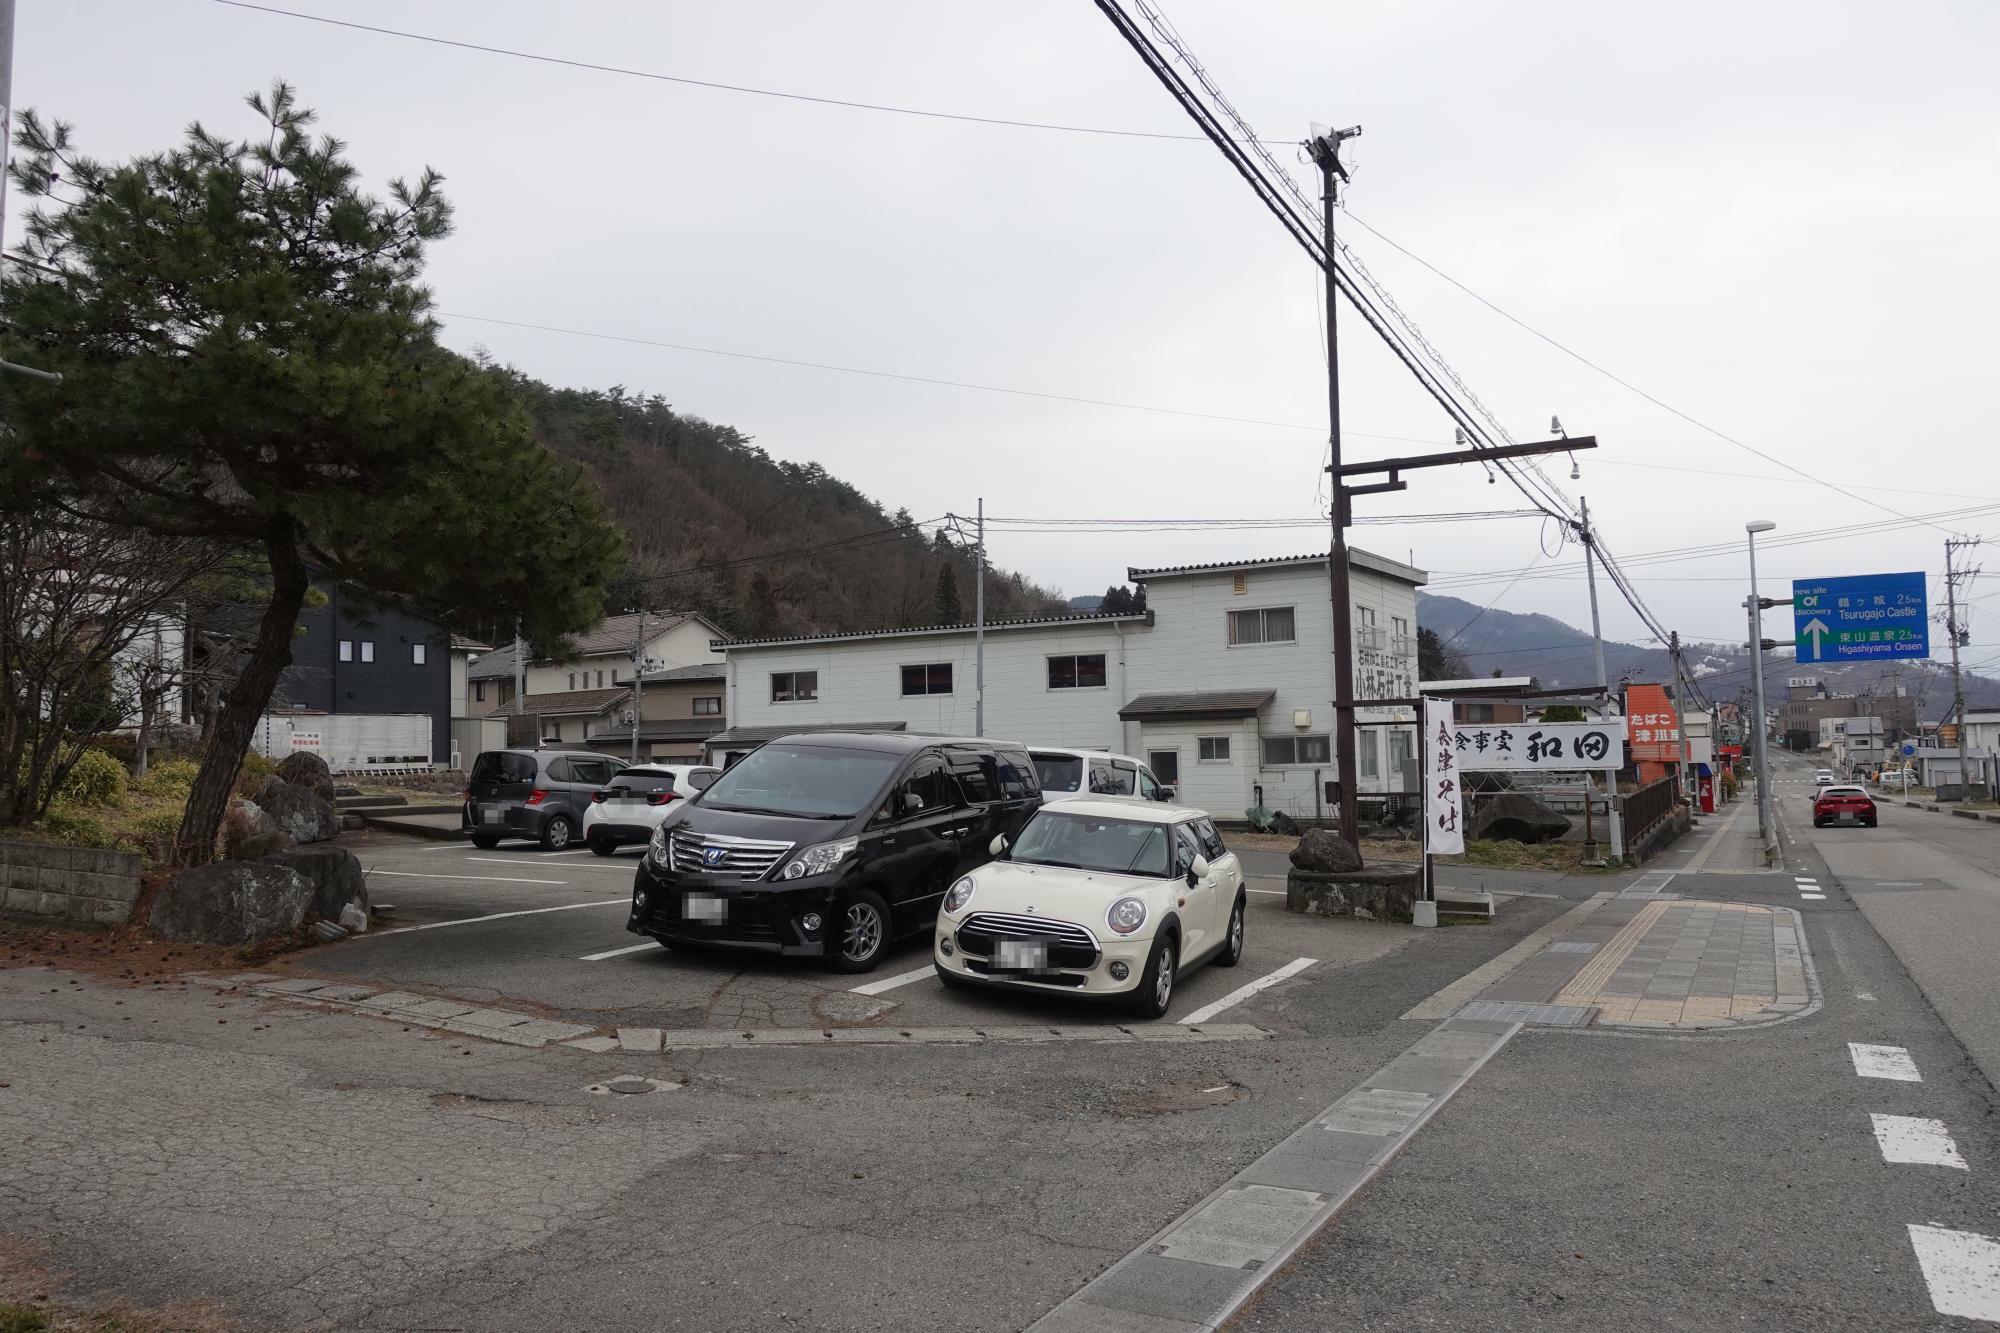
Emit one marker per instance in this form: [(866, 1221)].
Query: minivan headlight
[(657, 849), (960, 895), (820, 858), (1126, 915)]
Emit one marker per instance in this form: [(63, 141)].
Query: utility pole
[(1755, 608), (979, 625), (1952, 547), (1684, 696), (520, 670), (638, 681), (1325, 150), (1590, 577), (6, 149)]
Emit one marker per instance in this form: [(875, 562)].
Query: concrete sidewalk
[(1722, 844)]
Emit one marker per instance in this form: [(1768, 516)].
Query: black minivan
[(832, 844)]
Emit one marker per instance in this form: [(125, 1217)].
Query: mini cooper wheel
[(863, 924), (1232, 948), (556, 834), (1156, 983)]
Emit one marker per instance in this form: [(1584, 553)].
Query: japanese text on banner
[(1444, 807)]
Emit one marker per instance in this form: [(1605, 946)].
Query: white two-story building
[(1224, 684)]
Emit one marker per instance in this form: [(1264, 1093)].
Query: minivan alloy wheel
[(863, 934)]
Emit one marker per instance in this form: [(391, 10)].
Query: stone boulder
[(1324, 852), (335, 876), (231, 902), (298, 812), (1516, 817), (303, 768), (248, 832)]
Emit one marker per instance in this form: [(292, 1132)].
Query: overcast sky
[(1778, 218)]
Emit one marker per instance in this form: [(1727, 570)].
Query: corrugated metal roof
[(673, 729), (919, 631), (1356, 558), (699, 671), (1197, 704)]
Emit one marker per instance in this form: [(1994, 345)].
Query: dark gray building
[(360, 655)]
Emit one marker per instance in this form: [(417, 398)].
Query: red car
[(1838, 805)]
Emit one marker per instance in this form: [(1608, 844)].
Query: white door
[(1199, 925)]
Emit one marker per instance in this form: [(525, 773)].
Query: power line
[(875, 537), (711, 84)]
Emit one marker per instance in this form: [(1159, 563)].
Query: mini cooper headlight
[(960, 895), (820, 858), (1126, 915)]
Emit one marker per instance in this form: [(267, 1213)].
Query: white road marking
[(518, 861), (462, 846), (1242, 993), (496, 916), (613, 953), (1813, 897), (1961, 1268), (902, 979), (1276, 892), (1883, 1062), (477, 879), (1917, 1141), (1899, 884)]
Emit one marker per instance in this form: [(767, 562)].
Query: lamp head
[(1756, 525)]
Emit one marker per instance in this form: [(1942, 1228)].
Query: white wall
[(684, 645), (461, 691)]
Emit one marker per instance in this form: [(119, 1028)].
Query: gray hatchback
[(540, 795)]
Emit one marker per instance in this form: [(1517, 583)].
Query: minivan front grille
[(716, 854), (1070, 945)]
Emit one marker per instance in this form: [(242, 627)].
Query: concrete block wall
[(81, 886)]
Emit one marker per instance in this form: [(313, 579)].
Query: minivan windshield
[(1059, 772), (1090, 842), (812, 781)]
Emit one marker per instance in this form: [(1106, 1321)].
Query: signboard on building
[(1866, 618), (1444, 804), (1652, 724), (1540, 747), (305, 740)]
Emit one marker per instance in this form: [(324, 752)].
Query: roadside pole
[(638, 681), (6, 151), (1597, 642), (520, 672), (1951, 549), (1754, 609), (979, 625)]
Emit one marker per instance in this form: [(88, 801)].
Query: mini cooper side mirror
[(1197, 869), (998, 845)]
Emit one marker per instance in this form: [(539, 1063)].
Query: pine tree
[(949, 611)]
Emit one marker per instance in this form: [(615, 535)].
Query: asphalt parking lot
[(517, 926)]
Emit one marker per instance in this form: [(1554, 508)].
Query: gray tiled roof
[(699, 671), (615, 634), (563, 703), (920, 631), (1196, 704), (672, 729)]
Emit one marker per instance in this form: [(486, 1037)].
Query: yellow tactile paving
[(1632, 1011), (1595, 973)]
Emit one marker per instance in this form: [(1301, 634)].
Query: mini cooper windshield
[(1090, 842), (806, 781)]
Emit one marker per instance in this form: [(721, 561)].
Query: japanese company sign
[(1540, 747), (305, 740), (1444, 808), (1652, 723)]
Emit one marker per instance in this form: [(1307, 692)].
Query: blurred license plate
[(1021, 956), (707, 907), (491, 814)]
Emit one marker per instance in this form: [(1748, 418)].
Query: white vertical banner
[(1444, 809)]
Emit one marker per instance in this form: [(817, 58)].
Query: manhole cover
[(1179, 1095), (631, 1085)]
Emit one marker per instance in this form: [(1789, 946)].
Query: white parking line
[(1242, 993), (462, 846), (496, 916), (478, 879), (614, 953), (518, 861), (1961, 1268), (903, 979), (1917, 1141), (1813, 897), (1883, 1062)]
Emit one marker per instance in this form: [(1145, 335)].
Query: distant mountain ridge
[(1559, 654)]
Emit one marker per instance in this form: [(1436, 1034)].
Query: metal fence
[(1646, 807)]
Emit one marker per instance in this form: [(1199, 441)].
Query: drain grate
[(1533, 1015)]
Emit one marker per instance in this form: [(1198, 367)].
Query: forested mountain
[(708, 510)]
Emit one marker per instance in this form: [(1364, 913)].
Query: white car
[(1104, 898), (1069, 775), (1823, 777), (638, 798)]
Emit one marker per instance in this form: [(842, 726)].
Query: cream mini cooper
[(1105, 897)]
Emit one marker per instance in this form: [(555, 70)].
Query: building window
[(1166, 765), (1400, 643), (794, 687), (1282, 750), (1367, 634), (1475, 712), (416, 654), (1079, 671), (1369, 747), (600, 680), (1401, 754), (708, 706), (479, 691), (1272, 624), (614, 675), (368, 650), (347, 650), (1212, 749), (572, 680), (934, 678)]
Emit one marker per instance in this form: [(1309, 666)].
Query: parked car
[(1068, 775), (1822, 776), (636, 800), (830, 845), (535, 794), (1109, 898), (1839, 805)]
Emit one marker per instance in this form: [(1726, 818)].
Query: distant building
[(601, 659)]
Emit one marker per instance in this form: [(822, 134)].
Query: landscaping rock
[(1325, 852), (1516, 817), (335, 875), (353, 919), (303, 768), (298, 811), (248, 832), (231, 902)]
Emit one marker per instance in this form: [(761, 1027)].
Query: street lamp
[(1755, 607)]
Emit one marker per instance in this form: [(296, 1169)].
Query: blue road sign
[(1868, 617), (1908, 749)]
